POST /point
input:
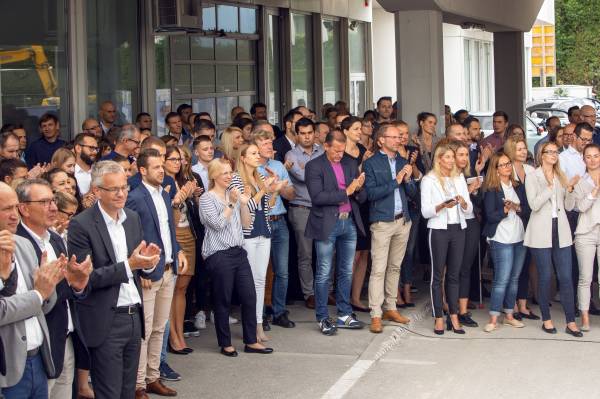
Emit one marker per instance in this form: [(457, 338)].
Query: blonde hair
[(241, 170), (61, 156), (492, 180), (510, 146), (64, 199), (556, 167), (186, 170), (227, 142), (215, 168), (262, 135), (442, 148), (455, 145)]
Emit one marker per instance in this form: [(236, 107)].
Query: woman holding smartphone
[(445, 202), (549, 236), (506, 211)]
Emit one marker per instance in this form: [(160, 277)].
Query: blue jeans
[(163, 352), (343, 239), (280, 250), (33, 383), (508, 261)]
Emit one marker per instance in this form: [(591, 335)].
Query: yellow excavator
[(44, 70)]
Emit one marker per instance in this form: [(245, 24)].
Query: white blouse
[(510, 230)]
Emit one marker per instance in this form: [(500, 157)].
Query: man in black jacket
[(288, 141), (334, 186), (112, 316)]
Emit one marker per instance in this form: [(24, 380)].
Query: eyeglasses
[(89, 129), (588, 115), (68, 214), (115, 190), (45, 202), (550, 152), (135, 141), (91, 147), (174, 159), (585, 140), (504, 165), (393, 137)]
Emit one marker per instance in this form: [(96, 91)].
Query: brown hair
[(241, 170), (492, 180)]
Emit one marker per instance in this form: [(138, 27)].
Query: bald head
[(9, 214), (588, 115), (108, 113)]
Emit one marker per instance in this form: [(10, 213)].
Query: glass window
[(203, 79), (227, 18), (246, 102), (247, 20), (357, 41), (302, 60), (331, 61), (203, 48), (113, 56), (226, 78), (182, 79), (33, 32), (181, 47), (205, 105), (224, 106), (209, 18), (246, 78), (163, 82), (225, 50), (273, 83), (245, 50)]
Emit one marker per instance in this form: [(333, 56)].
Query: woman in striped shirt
[(223, 212), (257, 235)]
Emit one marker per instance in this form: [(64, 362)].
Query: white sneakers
[(200, 322)]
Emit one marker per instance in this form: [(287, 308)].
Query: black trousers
[(229, 269), (446, 248), (115, 362), (471, 251)]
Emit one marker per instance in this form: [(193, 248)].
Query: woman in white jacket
[(585, 197), (445, 202)]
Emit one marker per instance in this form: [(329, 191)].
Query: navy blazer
[(380, 188), (493, 204), (58, 318), (326, 197), (140, 201), (281, 147), (168, 181)]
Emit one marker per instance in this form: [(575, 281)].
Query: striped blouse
[(236, 182), (220, 233)]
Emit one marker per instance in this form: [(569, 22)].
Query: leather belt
[(274, 218), (168, 266), (343, 215), (399, 216), (33, 352), (131, 309)]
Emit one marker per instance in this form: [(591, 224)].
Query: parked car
[(533, 131), (541, 115)]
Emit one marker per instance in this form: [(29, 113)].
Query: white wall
[(546, 13), (384, 54)]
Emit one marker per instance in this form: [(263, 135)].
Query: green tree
[(578, 42)]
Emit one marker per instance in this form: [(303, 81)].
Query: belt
[(343, 215), (33, 352), (399, 216), (131, 309), (274, 218), (299, 206), (168, 266)]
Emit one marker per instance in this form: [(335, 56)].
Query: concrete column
[(509, 74), (420, 64)]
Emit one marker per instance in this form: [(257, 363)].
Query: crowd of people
[(118, 246)]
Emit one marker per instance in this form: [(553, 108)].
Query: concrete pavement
[(402, 362)]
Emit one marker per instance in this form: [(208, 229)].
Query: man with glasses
[(390, 223), (588, 115), (92, 126), (112, 315), (128, 142), (38, 210), (571, 159), (86, 153)]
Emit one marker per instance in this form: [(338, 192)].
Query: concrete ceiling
[(494, 15)]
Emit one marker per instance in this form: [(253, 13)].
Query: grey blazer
[(539, 228), (14, 310), (589, 207)]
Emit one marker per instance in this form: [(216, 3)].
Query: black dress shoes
[(530, 316), (170, 349), (466, 320), (549, 330), (232, 353), (283, 321), (264, 351), (576, 334)]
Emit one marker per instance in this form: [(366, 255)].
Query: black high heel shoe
[(449, 327), (170, 349), (438, 332)]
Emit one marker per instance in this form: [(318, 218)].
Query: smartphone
[(473, 179), (449, 201)]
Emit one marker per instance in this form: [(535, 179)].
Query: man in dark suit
[(112, 317), (38, 213), (334, 186), (153, 206), (288, 141), (168, 183)]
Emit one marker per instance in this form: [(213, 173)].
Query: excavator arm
[(37, 55)]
